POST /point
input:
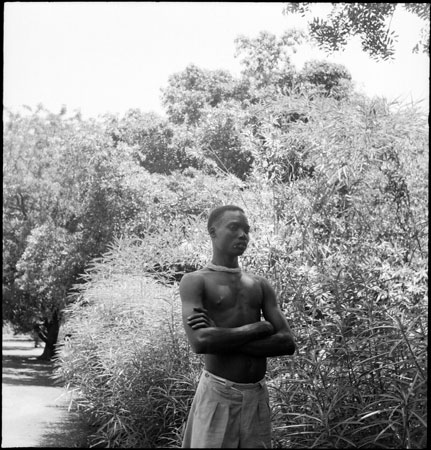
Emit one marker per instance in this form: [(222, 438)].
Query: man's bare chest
[(233, 300)]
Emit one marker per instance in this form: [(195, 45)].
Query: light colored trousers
[(228, 415)]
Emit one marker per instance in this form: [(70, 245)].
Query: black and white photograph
[(215, 225)]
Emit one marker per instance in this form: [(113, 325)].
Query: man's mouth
[(241, 246)]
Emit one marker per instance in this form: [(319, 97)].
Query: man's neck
[(225, 261)]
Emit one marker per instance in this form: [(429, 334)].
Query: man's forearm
[(228, 340), (276, 345)]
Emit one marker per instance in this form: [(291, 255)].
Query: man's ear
[(212, 231)]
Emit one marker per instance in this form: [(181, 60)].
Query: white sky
[(112, 56)]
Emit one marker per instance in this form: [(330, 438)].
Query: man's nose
[(243, 235)]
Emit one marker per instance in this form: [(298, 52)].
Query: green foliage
[(369, 21), (275, 139), (131, 369), (32, 195), (221, 141), (359, 379), (151, 140), (351, 282), (63, 177), (346, 252), (266, 59), (325, 79), (48, 268), (128, 361), (190, 91)]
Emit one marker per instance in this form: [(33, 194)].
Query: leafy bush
[(352, 281), (221, 141), (127, 362), (189, 92), (345, 249), (359, 377), (324, 78)]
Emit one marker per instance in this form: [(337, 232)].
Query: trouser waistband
[(229, 383)]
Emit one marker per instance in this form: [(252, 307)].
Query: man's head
[(229, 229), (217, 213)]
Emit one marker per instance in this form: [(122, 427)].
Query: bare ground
[(35, 409)]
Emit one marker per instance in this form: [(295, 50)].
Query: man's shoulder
[(256, 277), (193, 277), (261, 281)]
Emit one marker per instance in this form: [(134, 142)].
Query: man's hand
[(200, 320)]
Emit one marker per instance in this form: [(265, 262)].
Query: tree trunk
[(52, 329)]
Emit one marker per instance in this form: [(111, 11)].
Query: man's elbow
[(290, 348), (199, 348), (200, 344), (288, 344)]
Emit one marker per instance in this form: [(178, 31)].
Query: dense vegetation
[(102, 217)]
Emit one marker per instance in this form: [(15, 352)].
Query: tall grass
[(347, 254), (131, 371), (358, 379)]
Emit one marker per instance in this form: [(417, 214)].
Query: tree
[(266, 59), (273, 137), (370, 21), (325, 78), (46, 272), (66, 196), (221, 141), (153, 141), (33, 194), (190, 91)]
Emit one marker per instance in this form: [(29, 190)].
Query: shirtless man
[(221, 308)]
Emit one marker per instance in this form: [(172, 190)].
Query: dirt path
[(34, 409)]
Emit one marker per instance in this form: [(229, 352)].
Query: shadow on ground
[(70, 433), (22, 368)]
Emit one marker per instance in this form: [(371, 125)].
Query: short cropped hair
[(218, 212)]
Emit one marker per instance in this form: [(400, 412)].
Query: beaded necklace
[(212, 266)]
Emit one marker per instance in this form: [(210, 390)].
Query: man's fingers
[(199, 325), (198, 315), (198, 320)]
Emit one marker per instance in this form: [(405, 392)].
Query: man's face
[(231, 233)]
